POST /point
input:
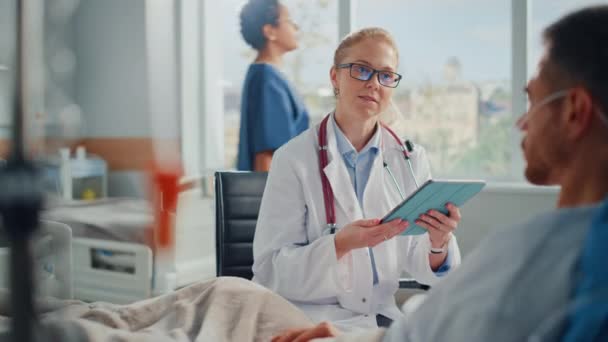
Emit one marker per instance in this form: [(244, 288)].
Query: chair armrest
[(410, 283)]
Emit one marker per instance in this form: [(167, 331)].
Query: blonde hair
[(356, 37), (392, 116)]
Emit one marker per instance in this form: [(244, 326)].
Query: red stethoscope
[(328, 194)]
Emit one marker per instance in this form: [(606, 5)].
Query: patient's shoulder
[(555, 225), (512, 268), (547, 244)]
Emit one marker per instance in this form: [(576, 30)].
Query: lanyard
[(328, 194)]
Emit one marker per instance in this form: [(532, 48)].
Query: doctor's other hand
[(321, 330), (440, 226), (366, 233)]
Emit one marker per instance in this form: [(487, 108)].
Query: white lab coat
[(295, 256)]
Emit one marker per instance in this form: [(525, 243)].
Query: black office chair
[(237, 201)]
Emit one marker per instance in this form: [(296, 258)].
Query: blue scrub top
[(271, 113)]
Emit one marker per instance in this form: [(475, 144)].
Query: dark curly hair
[(254, 15)]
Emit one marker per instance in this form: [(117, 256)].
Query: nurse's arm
[(262, 161)]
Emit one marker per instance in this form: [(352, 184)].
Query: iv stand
[(21, 200)]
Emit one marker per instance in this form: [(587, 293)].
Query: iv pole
[(21, 200)]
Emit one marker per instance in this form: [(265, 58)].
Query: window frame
[(201, 97)]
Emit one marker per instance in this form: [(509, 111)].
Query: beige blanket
[(224, 309)]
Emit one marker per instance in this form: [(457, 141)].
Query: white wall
[(501, 206), (111, 82), (111, 77)]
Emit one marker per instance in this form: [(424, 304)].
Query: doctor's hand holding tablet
[(371, 232), (366, 233), (440, 226), (433, 208)]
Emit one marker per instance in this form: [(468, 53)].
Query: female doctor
[(319, 242)]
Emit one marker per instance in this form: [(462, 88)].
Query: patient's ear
[(269, 32), (580, 113)]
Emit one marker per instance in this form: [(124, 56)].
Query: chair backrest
[(238, 196)]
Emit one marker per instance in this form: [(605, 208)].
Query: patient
[(565, 143)]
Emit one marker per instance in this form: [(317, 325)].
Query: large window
[(464, 65), (455, 98), (307, 67)]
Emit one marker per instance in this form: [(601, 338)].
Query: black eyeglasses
[(365, 73)]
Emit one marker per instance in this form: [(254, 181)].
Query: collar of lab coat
[(338, 177)]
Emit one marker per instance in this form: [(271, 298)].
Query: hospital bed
[(52, 260), (113, 260)]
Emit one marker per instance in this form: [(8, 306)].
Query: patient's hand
[(321, 330)]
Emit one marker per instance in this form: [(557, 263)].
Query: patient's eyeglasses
[(365, 73)]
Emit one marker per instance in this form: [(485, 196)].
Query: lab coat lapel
[(338, 177), (375, 201)]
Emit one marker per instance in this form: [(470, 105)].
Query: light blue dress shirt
[(359, 166)]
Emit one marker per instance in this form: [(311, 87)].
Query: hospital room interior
[(293, 170)]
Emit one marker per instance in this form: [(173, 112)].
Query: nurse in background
[(271, 111)]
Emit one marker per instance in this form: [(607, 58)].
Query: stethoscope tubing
[(328, 195)]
